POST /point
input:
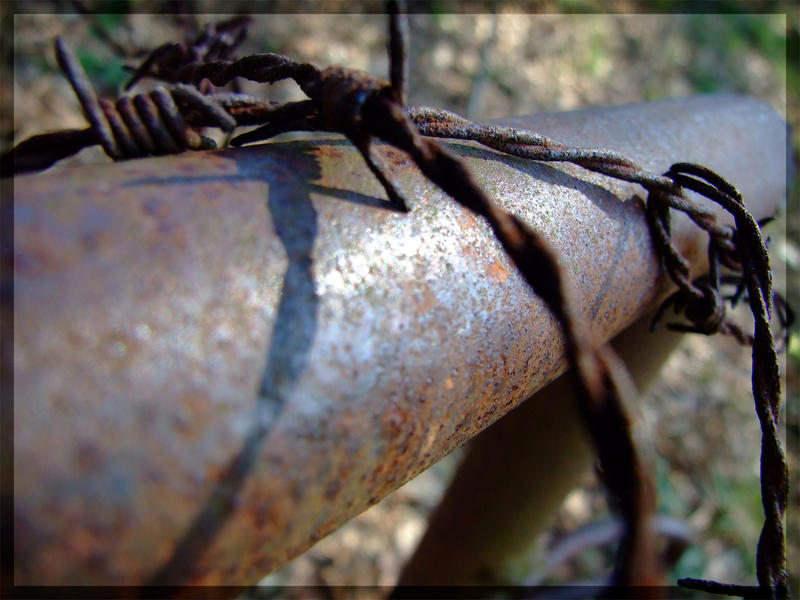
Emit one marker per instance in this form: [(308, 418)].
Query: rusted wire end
[(144, 69), (292, 116), (42, 151), (211, 111), (398, 49), (83, 89), (728, 589)]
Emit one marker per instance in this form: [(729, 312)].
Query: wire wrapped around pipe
[(145, 124), (156, 123)]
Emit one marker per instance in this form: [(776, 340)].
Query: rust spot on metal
[(426, 300), (329, 151), (332, 490), (88, 455), (497, 272), (466, 220)]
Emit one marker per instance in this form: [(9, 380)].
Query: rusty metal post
[(515, 476), (221, 357)]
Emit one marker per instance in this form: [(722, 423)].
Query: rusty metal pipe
[(221, 357)]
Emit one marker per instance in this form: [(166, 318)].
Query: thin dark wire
[(398, 47)]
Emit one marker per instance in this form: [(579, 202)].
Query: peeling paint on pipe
[(221, 357)]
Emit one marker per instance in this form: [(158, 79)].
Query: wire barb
[(219, 41), (159, 122)]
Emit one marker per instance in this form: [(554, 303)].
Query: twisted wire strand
[(741, 249), (756, 273), (665, 192), (218, 41), (262, 68)]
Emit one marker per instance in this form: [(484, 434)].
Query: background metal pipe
[(221, 357), (515, 475)]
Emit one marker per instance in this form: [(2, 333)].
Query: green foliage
[(736, 523), (692, 563), (598, 55), (111, 21), (578, 6), (102, 65), (438, 8), (793, 57), (723, 41), (105, 73), (740, 515), (794, 349)]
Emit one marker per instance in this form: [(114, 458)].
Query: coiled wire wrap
[(159, 122), (147, 124), (162, 121)]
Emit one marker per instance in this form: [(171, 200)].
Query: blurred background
[(488, 60)]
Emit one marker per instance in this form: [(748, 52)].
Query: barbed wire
[(363, 108)]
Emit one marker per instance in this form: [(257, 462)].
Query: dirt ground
[(490, 65)]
